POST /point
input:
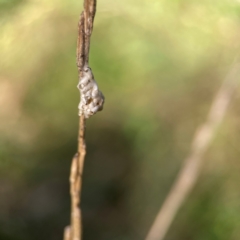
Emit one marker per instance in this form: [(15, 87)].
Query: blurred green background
[(159, 64)]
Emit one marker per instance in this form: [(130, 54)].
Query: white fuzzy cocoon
[(92, 99)]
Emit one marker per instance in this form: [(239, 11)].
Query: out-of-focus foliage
[(159, 64)]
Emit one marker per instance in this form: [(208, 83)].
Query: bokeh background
[(159, 64)]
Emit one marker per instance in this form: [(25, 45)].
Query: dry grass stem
[(192, 165), (85, 26), (67, 233)]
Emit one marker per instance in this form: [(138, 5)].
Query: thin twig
[(81, 45), (89, 14), (85, 26), (67, 233), (192, 165)]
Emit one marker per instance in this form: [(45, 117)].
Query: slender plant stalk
[(85, 26), (189, 173)]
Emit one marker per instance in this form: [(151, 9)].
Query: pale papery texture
[(92, 99)]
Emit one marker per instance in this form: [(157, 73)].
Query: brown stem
[(190, 171), (81, 45), (67, 233), (89, 14), (85, 26)]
